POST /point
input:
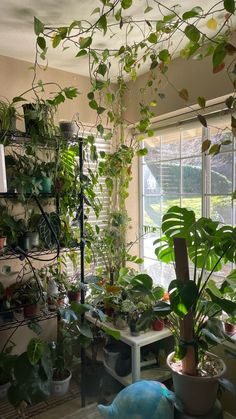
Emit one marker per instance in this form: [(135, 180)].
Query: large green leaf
[(35, 350), (178, 222), (164, 250), (49, 238), (226, 305), (183, 295)]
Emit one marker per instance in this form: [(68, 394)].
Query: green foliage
[(209, 247), (32, 375)]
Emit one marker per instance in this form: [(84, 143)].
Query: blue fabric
[(141, 400)]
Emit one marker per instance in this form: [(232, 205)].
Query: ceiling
[(17, 37)]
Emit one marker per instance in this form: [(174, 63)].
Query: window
[(176, 172)]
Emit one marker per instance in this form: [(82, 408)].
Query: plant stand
[(216, 413)]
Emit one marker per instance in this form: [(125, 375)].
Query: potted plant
[(46, 175), (74, 292), (228, 289), (195, 305), (71, 334), (34, 384), (31, 295)]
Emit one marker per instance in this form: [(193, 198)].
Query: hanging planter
[(69, 129)]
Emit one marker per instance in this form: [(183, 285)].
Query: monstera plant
[(196, 297)]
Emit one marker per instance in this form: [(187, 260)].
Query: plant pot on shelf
[(61, 383), (197, 393), (111, 354), (29, 240), (158, 325), (46, 183), (73, 296), (35, 115), (30, 310), (230, 328)]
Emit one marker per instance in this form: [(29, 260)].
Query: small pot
[(29, 240), (61, 387), (46, 185), (133, 328), (197, 394), (69, 129), (158, 325), (111, 354), (2, 242), (74, 296), (230, 329), (30, 310)]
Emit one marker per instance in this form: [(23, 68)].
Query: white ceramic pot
[(3, 390), (61, 387), (197, 394)]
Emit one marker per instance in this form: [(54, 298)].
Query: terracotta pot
[(31, 310), (197, 394), (158, 325), (230, 329), (74, 296)]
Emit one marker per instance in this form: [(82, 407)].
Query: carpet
[(88, 412)]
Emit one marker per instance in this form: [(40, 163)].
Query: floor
[(100, 387)]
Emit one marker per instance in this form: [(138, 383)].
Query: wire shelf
[(19, 320)]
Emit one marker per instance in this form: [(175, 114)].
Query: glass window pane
[(148, 248), (220, 134), (152, 211), (170, 175), (170, 146), (191, 142), (151, 178), (193, 203), (153, 145), (192, 175), (221, 209), (221, 173), (169, 201)]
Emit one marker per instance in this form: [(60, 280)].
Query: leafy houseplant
[(32, 375), (228, 291), (195, 305), (7, 118), (71, 334)]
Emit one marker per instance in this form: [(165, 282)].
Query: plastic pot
[(46, 185), (61, 387), (69, 129), (197, 394)]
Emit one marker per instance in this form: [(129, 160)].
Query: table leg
[(135, 353)]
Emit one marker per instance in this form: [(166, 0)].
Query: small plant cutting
[(196, 301)]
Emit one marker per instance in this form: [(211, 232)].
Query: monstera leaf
[(49, 236)]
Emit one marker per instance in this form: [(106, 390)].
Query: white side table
[(136, 343)]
